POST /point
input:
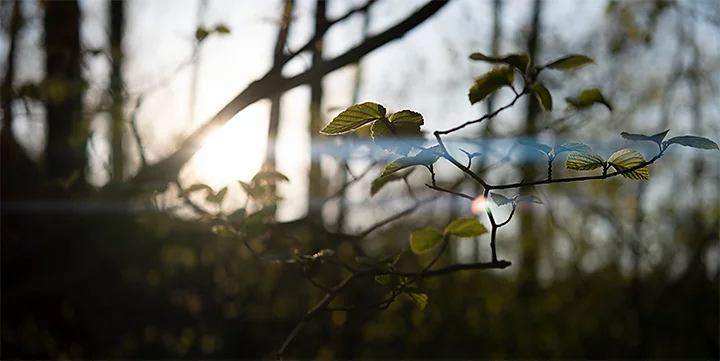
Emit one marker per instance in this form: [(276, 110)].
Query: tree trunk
[(66, 134), (117, 24), (316, 182)]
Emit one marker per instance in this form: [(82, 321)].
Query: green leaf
[(354, 117), (528, 199), (571, 147), (237, 216), (465, 227), (201, 33), (218, 197), (222, 29), (222, 231), (569, 62), (539, 146), (269, 176), (425, 239), (254, 191), (381, 181), (383, 279), (587, 98), (625, 159), (694, 142), (418, 298), (425, 157), (584, 160), (194, 188), (518, 61), (491, 82), (404, 135), (657, 138), (499, 199), (543, 96)]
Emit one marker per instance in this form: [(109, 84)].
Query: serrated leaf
[(269, 176), (420, 299), (425, 239), (657, 138), (569, 62), (694, 142), (587, 98), (528, 199), (543, 96), (625, 159), (194, 188), (499, 199), (518, 61), (538, 146), (584, 161), (404, 135), (218, 197), (571, 147), (491, 82), (354, 117), (222, 29), (465, 227)]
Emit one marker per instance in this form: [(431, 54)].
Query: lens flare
[(479, 205)]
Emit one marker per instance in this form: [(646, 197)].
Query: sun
[(232, 152)]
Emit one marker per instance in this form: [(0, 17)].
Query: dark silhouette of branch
[(271, 84), (319, 307)]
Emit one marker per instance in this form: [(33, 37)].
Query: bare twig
[(308, 315)]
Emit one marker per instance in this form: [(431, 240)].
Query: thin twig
[(308, 315)]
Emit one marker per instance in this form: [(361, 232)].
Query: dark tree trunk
[(65, 148)]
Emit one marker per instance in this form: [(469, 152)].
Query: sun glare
[(230, 153)]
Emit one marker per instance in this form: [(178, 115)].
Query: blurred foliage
[(90, 274)]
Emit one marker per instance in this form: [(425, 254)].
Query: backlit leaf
[(694, 142), (404, 135), (269, 176), (588, 160), (625, 159), (425, 157), (491, 82), (543, 96), (354, 117), (194, 188), (518, 61), (425, 239), (217, 197), (201, 33), (381, 181), (465, 227), (419, 298), (222, 29), (587, 98), (569, 62)]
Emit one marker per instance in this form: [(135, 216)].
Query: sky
[(427, 71)]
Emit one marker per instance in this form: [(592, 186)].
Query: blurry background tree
[(102, 259)]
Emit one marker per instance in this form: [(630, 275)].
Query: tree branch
[(271, 84)]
